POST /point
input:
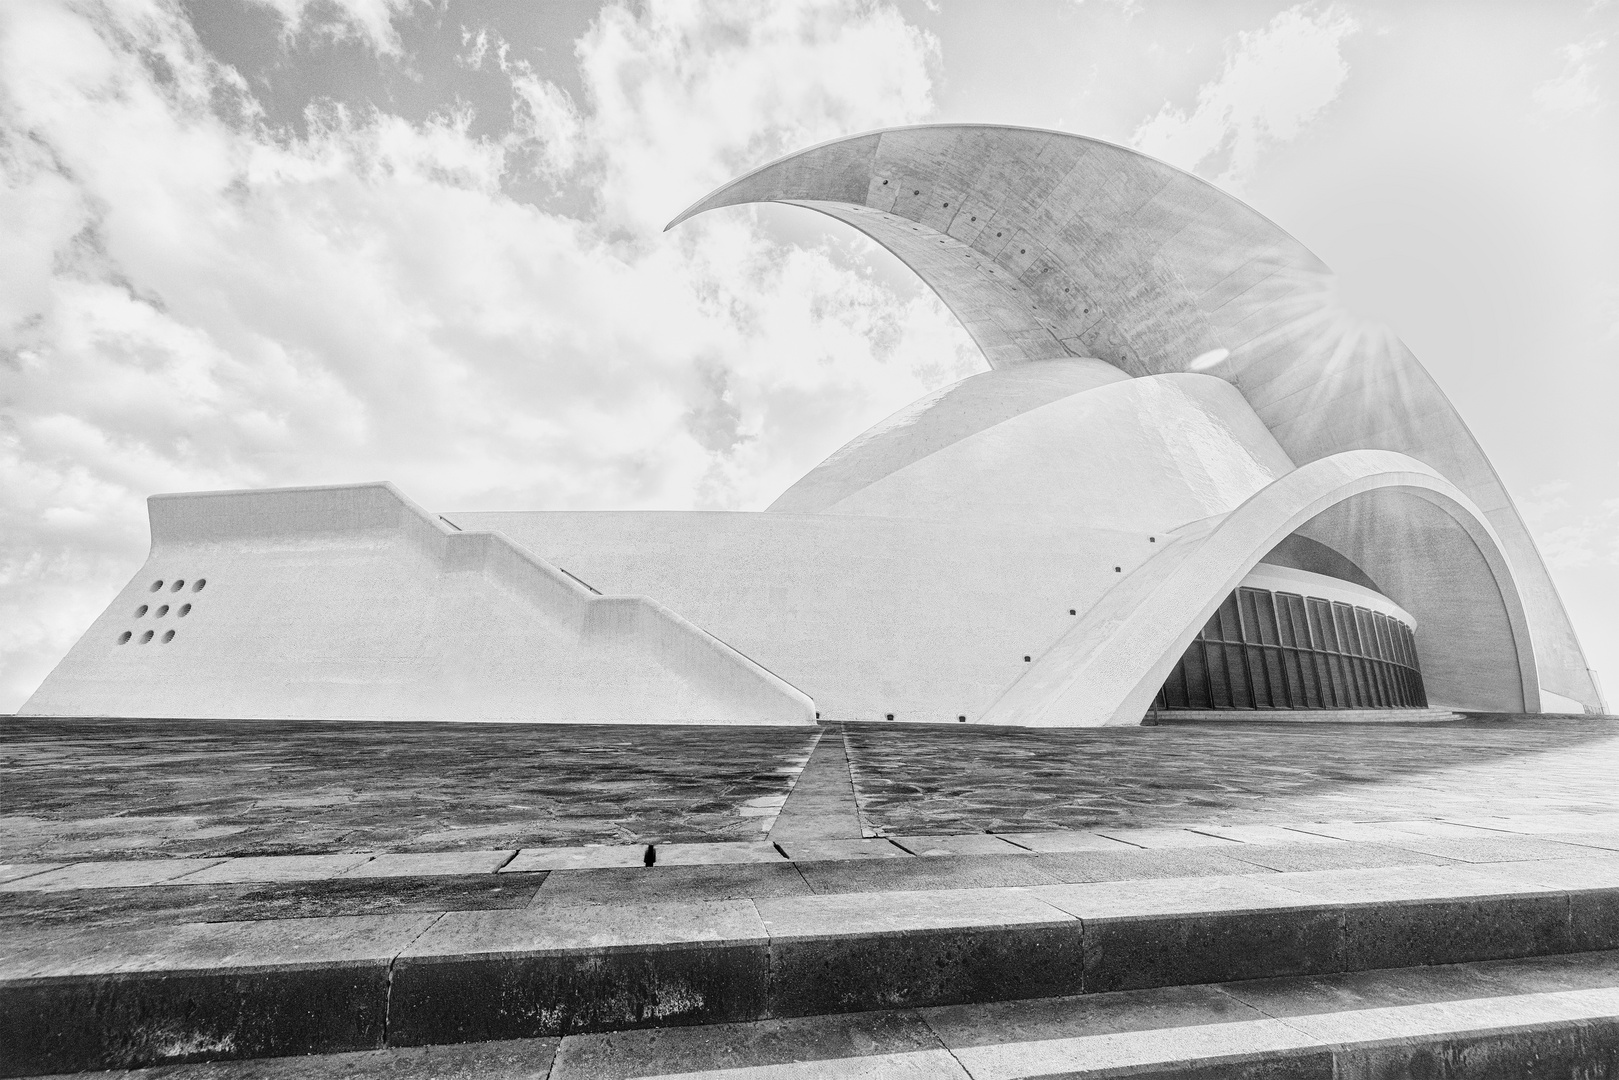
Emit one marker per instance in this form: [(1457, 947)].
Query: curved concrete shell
[(1179, 420), (1049, 245)]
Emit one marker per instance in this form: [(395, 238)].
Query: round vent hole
[(178, 585), (140, 611), (185, 609), (196, 586), (168, 636), (156, 585), (123, 639), (146, 637), (160, 612)]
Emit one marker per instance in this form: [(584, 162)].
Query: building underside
[(1189, 480)]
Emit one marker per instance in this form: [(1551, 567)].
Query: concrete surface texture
[(1283, 901), (1174, 395)]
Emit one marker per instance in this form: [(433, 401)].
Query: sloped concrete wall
[(1049, 245), (1107, 668), (353, 602)]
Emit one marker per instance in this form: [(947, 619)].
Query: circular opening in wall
[(146, 637), (156, 585), (947, 204), (123, 639), (1022, 251), (997, 234), (185, 609), (168, 636), (160, 612), (918, 191), (885, 183), (196, 586), (140, 611), (178, 585), (975, 217)]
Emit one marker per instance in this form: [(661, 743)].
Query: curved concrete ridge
[(1048, 245), (1107, 668), (937, 421), (213, 528)]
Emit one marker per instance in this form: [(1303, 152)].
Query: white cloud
[(1573, 534), (369, 20), (1276, 80), (188, 301), (1576, 88)]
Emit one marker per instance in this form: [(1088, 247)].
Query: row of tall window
[(1265, 650)]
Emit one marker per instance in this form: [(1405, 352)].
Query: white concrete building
[(1190, 480)]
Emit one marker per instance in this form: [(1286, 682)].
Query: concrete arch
[(1106, 670), (1048, 245)]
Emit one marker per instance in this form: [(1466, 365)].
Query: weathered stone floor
[(107, 789), (942, 780), (98, 789)]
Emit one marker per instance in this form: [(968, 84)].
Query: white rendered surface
[(352, 602), (1032, 545), (1048, 245), (1108, 667)]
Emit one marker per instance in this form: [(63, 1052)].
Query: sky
[(250, 243)]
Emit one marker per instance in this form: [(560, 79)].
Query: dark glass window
[(1264, 650)]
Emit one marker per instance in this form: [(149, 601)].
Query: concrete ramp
[(353, 602)]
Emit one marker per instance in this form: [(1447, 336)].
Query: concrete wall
[(924, 620), (920, 591), (352, 602), (1048, 245), (1106, 669)]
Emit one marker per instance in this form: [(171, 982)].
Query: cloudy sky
[(269, 242)]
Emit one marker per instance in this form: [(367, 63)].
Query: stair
[(1301, 716), (582, 960)]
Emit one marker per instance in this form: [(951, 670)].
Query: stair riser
[(74, 1023), (1578, 1050)]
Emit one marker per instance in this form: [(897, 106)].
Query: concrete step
[(1303, 716), (1547, 1017), (83, 997)]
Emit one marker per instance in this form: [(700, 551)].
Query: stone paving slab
[(717, 854), (815, 850), (590, 857), (956, 780), (109, 875), (968, 844), (14, 871), (1296, 846), (85, 788), (276, 868), (430, 864), (1552, 1016)]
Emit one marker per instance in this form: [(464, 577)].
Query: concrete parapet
[(353, 602)]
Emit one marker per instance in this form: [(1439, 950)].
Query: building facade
[(1190, 479)]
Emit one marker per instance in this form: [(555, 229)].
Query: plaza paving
[(473, 884)]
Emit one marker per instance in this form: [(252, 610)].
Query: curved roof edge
[(1107, 668), (1048, 245)]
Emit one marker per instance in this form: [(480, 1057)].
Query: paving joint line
[(393, 962)]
